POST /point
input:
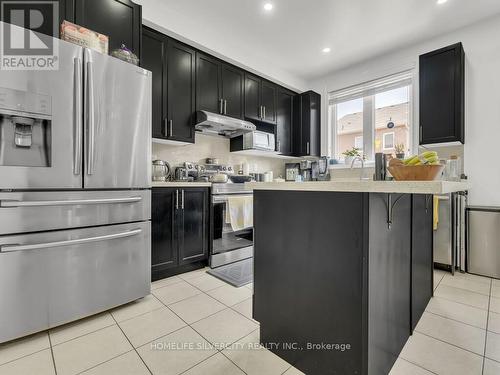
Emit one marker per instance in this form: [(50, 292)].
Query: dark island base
[(341, 279)]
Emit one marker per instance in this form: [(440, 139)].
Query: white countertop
[(368, 186), (181, 184)]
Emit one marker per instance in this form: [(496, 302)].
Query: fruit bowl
[(421, 172)]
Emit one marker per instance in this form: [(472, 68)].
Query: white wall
[(215, 147), (482, 104), (159, 16)]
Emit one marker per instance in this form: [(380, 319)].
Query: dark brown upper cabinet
[(219, 86), (153, 59), (284, 121), (232, 80), (208, 92), (119, 19), (442, 95), (173, 85), (180, 92), (307, 124), (260, 99)]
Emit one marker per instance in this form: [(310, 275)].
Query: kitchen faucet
[(362, 175)]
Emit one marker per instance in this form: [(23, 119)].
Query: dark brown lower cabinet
[(180, 224)]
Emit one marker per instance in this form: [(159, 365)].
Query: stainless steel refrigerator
[(75, 203)]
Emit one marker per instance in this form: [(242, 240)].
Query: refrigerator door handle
[(69, 202), (90, 117), (77, 121), (45, 245)]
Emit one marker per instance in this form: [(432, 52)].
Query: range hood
[(215, 124)]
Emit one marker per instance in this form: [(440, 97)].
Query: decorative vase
[(348, 160)]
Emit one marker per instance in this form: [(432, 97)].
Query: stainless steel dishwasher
[(483, 250)]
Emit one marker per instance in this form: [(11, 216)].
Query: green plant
[(399, 148), (353, 152)]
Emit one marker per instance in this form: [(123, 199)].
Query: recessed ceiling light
[(441, 1), (326, 49), (268, 6)]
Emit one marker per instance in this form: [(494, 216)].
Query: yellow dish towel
[(240, 211), (436, 213)]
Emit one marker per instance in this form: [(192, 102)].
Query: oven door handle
[(223, 198)]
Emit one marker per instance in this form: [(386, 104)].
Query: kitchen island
[(343, 270)]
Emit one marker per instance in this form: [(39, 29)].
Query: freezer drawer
[(22, 212), (51, 278), (483, 250)]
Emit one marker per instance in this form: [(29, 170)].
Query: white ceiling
[(291, 37)]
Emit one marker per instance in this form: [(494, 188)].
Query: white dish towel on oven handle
[(240, 210)]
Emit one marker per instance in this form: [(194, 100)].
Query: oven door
[(228, 246)]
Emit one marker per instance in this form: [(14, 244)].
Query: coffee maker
[(306, 170), (292, 170)]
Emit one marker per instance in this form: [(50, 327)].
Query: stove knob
[(224, 168)]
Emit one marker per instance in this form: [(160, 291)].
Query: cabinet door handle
[(182, 201), (307, 148), (221, 104), (264, 109), (171, 127), (260, 112), (177, 199), (420, 132), (279, 146), (225, 106)]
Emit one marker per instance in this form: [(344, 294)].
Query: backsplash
[(216, 147)]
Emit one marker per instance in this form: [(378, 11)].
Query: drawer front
[(22, 212), (51, 278)]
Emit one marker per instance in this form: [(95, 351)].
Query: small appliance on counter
[(181, 174), (292, 170), (323, 173), (160, 171), (306, 170)]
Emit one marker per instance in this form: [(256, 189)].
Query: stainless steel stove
[(228, 246)]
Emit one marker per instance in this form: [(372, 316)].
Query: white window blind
[(371, 88)]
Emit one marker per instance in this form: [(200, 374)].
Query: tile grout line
[(24, 356), (204, 338), (465, 304), (456, 320), (102, 363), (448, 343), (52, 353), (133, 347), (486, 335), (419, 366), (85, 334), (462, 288)]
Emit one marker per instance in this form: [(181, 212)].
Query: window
[(388, 141), (358, 142), (372, 117)]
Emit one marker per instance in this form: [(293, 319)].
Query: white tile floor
[(458, 334)]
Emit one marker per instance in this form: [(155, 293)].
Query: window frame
[(384, 148), (356, 138), (393, 81)]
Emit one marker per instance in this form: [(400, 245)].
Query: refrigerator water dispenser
[(25, 129)]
